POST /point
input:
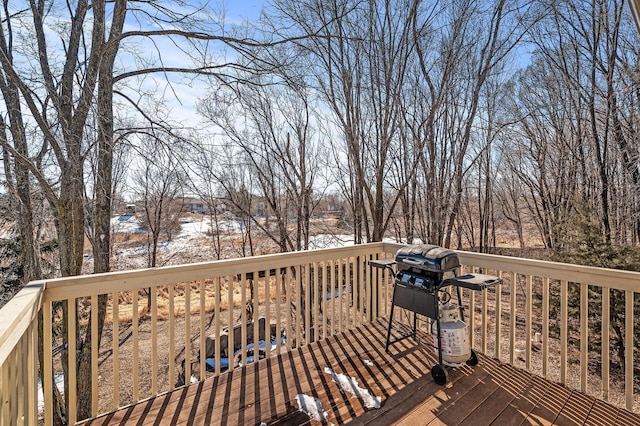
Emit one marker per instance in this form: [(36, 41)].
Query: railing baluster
[(498, 348), (584, 336), (528, 315), (267, 307), (243, 314), (606, 312), (216, 324), (115, 344), (485, 309), (299, 310), (203, 331), (513, 314), (134, 342), (17, 359), (545, 327), (288, 289), (334, 279), (472, 318), (94, 355), (187, 332), (316, 301), (172, 336), (366, 290), (32, 417), (307, 304), (154, 340), (71, 353), (355, 291), (362, 311), (388, 278), (9, 414), (376, 288), (256, 309), (279, 281), (230, 344), (341, 295), (323, 299), (564, 315), (628, 349)]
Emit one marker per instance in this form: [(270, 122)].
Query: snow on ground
[(350, 384), (330, 241), (59, 380), (126, 224), (311, 407)]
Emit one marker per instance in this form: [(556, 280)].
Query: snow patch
[(311, 407), (350, 384), (58, 380), (330, 241), (366, 362)]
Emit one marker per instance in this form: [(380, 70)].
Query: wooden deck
[(265, 392)]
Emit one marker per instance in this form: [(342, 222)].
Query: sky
[(245, 9), (185, 91)]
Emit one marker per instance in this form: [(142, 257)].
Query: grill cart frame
[(421, 288)]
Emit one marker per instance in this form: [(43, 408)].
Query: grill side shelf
[(472, 281)]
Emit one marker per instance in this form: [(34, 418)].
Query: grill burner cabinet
[(420, 287)]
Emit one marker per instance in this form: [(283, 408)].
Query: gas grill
[(420, 287)]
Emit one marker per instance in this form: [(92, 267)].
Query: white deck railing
[(303, 296)]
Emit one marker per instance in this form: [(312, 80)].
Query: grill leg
[(386, 348)]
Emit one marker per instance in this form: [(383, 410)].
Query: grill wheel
[(439, 374), (473, 359)]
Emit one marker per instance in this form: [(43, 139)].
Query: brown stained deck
[(491, 393)]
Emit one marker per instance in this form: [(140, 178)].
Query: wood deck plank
[(522, 405), (491, 408), (575, 411), (626, 418), (602, 414), (475, 395), (490, 393), (549, 406)]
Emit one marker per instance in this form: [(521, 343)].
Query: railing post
[(47, 374), (628, 349)]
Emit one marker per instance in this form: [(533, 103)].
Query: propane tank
[(453, 336)]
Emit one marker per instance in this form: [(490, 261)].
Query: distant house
[(195, 205)]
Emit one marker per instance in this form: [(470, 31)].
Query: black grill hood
[(422, 258)]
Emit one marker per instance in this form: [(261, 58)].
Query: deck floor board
[(491, 393)]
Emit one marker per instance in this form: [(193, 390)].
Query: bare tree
[(159, 181), (358, 60), (276, 145)]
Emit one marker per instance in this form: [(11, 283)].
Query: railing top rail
[(61, 288), (601, 277), (17, 315)]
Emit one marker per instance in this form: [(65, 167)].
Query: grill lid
[(426, 258)]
